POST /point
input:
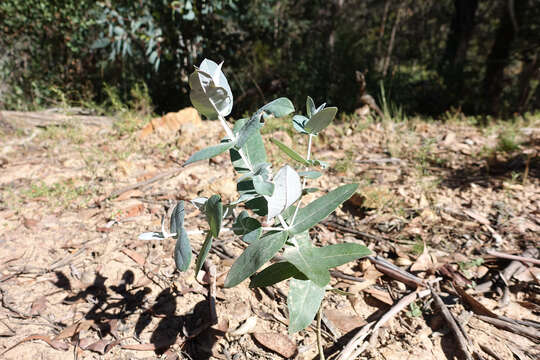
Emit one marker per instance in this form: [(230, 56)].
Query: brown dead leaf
[(344, 321), (129, 194), (74, 329), (276, 342), (381, 295), (133, 210), (101, 346), (38, 306), (423, 262), (135, 256), (30, 224)]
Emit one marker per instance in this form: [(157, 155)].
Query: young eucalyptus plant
[(273, 218)]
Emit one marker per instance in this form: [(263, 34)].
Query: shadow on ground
[(116, 303)]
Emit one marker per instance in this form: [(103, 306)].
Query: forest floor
[(442, 201)]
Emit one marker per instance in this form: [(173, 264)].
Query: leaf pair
[(317, 118)]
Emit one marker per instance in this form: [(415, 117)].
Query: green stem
[(305, 179), (319, 337)]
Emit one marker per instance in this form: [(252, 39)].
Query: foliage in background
[(479, 56)]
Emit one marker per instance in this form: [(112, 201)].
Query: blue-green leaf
[(205, 249), (214, 214), (249, 227), (177, 218), (338, 254), (288, 189), (263, 187), (255, 256), (250, 128), (253, 149), (276, 273), (304, 257), (279, 107), (310, 174), (303, 301), (320, 120), (299, 123), (182, 251), (290, 152), (322, 207), (310, 107), (209, 152)]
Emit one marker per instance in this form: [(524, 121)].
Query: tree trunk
[(499, 56), (461, 31)]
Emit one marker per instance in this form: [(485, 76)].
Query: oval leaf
[(322, 207), (303, 301), (214, 214), (276, 273), (279, 107), (288, 189), (320, 120), (310, 106), (182, 251), (255, 256), (338, 254), (209, 152), (177, 218), (303, 256)]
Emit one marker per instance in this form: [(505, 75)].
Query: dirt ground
[(444, 202)]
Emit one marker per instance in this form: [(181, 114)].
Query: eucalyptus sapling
[(265, 197)]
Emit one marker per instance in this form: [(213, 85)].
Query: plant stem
[(305, 179), (319, 337), (231, 135)]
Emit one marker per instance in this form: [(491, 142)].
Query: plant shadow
[(118, 303)]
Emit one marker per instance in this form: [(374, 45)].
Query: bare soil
[(76, 283)]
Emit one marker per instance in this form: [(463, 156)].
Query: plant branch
[(308, 156)]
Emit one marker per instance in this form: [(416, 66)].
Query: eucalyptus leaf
[(209, 152), (255, 256), (317, 210), (263, 187), (203, 253), (250, 128), (288, 189), (338, 254), (214, 214), (182, 251), (249, 227), (259, 205), (303, 302), (177, 218), (218, 89), (320, 120), (290, 152), (279, 107), (304, 257), (310, 106), (310, 174), (253, 149), (276, 273), (199, 99), (200, 203), (299, 123)]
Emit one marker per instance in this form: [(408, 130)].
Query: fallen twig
[(395, 272), (456, 330), (525, 259), (144, 183), (512, 327), (400, 305)]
